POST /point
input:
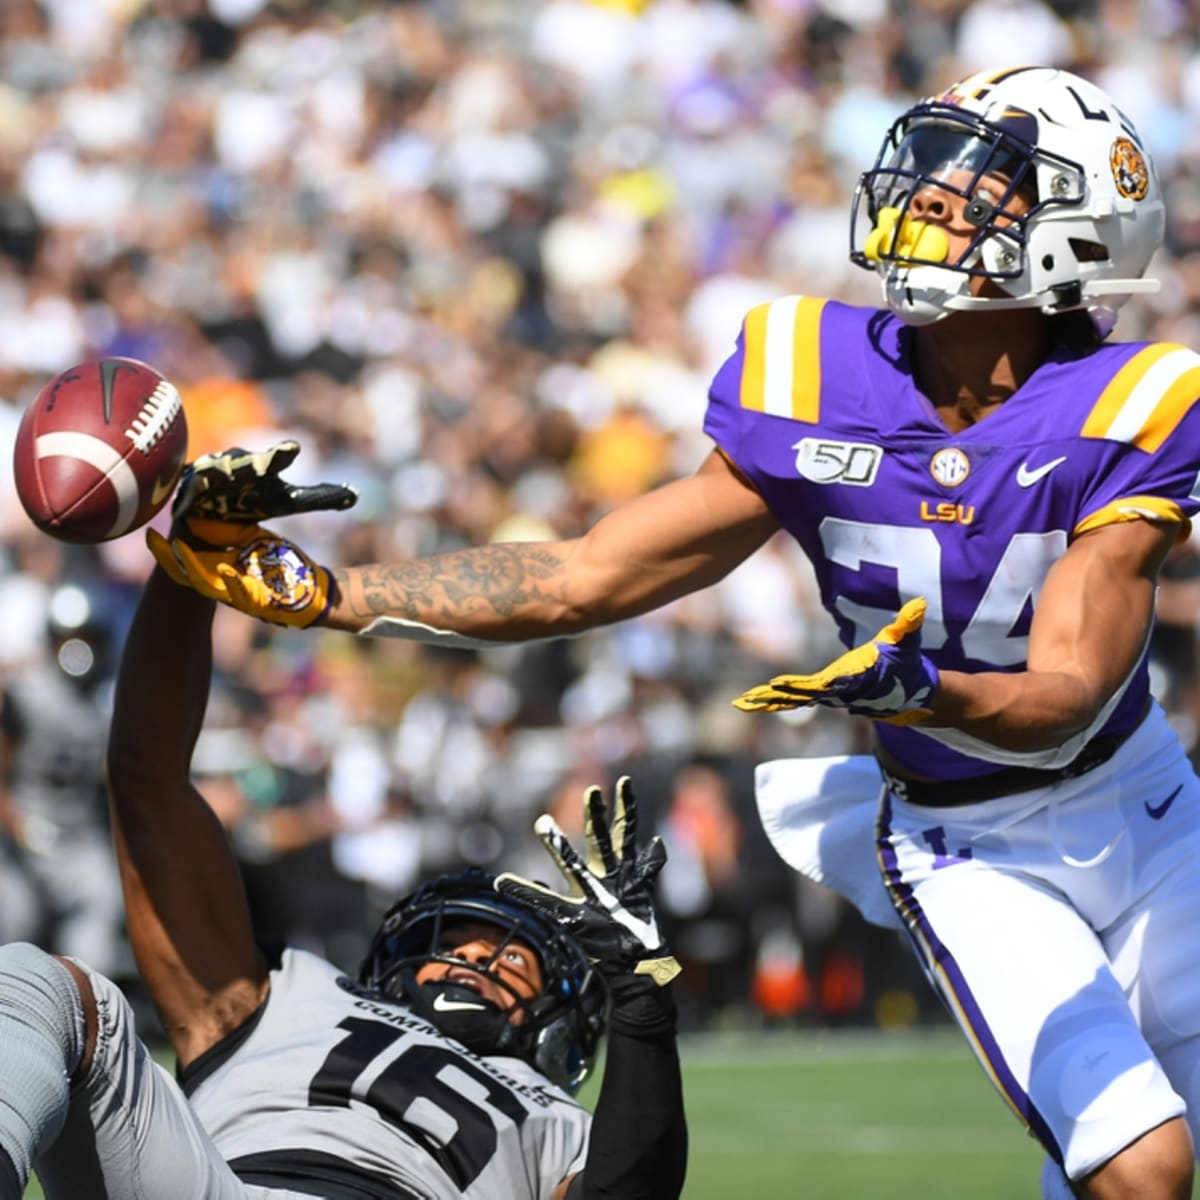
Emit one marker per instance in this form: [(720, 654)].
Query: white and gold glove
[(245, 487), (609, 910)]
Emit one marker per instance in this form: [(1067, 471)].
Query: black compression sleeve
[(10, 1179), (638, 1144)]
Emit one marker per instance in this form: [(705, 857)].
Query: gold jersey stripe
[(1147, 398), (1172, 407), (1118, 390), (754, 357), (1136, 508), (781, 369)]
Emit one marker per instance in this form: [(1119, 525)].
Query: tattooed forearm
[(471, 590)]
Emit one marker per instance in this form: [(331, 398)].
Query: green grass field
[(851, 1116), (844, 1116)]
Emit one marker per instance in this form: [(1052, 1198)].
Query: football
[(99, 450)]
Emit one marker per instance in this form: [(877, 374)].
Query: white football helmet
[(1096, 211)]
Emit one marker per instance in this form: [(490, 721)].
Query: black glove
[(243, 487), (610, 908)]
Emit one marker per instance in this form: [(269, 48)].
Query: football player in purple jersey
[(986, 484), (446, 1069)]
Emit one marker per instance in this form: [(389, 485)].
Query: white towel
[(819, 814)]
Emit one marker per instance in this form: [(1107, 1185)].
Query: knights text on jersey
[(817, 406), (335, 1093)]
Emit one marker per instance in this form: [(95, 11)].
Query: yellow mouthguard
[(914, 239)]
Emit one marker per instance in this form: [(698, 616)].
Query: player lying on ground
[(446, 1069), (979, 456)]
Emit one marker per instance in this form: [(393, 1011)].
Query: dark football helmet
[(559, 1030)]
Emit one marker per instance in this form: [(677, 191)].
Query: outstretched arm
[(637, 1149), (188, 922), (643, 554), (639, 1140)]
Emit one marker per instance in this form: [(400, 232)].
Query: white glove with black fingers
[(609, 910), (245, 487)]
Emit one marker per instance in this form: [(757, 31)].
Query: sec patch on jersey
[(99, 450)]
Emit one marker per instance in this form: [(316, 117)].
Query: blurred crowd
[(480, 258)]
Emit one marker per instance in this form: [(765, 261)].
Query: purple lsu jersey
[(818, 407)]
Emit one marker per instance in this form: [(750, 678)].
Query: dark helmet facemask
[(558, 1032), (948, 152)]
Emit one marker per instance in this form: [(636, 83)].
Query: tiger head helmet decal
[(1131, 173)]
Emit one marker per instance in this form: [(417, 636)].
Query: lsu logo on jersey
[(958, 514), (820, 460)]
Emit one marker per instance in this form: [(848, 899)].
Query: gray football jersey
[(331, 1092)]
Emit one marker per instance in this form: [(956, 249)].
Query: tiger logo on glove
[(292, 581)]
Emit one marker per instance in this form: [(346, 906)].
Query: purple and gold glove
[(218, 548), (247, 567), (887, 678), (609, 910)]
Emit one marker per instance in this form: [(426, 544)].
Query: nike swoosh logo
[(161, 490), (442, 1004), (893, 700), (108, 374), (1027, 478), (1157, 812)]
